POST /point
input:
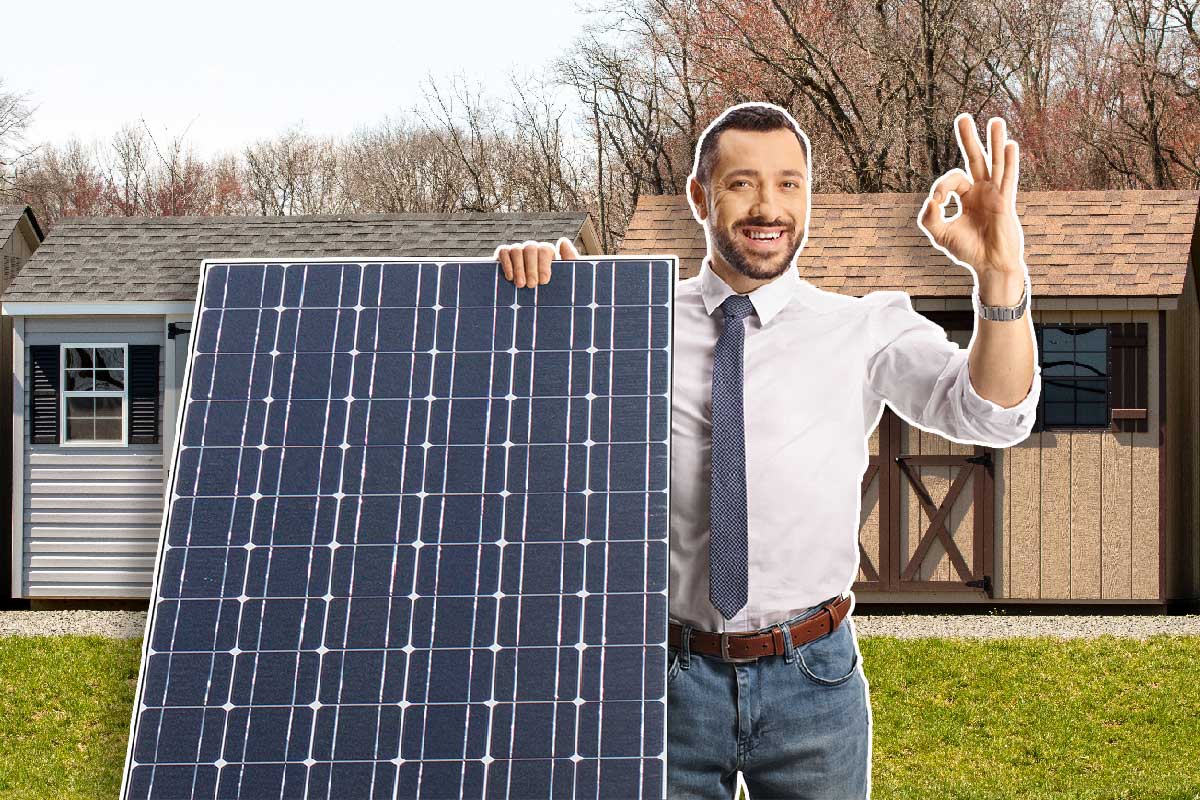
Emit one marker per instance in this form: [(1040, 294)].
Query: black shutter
[(1128, 382), (143, 394), (43, 394)]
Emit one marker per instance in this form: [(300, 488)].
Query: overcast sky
[(239, 71)]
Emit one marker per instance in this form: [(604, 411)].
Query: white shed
[(100, 316)]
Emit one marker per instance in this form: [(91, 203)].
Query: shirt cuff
[(1017, 416)]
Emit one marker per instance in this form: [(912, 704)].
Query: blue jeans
[(797, 725)]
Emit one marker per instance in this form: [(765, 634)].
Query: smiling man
[(777, 385)]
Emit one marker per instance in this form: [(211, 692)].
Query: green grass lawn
[(1104, 719)]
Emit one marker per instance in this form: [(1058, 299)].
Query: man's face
[(758, 201)]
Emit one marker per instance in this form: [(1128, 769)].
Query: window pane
[(110, 357), (110, 380), (78, 357), (1093, 390), (1092, 414), (1058, 341), (81, 407), (81, 429), (1057, 365), (1059, 414), (1092, 341), (108, 407), (1058, 391), (108, 429), (79, 380), (1091, 365)]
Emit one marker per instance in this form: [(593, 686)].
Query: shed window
[(94, 393), (1075, 375)]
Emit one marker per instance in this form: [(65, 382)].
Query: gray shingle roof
[(97, 259), (9, 217)]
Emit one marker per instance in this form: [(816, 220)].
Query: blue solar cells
[(416, 539)]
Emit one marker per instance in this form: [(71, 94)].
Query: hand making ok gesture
[(986, 235)]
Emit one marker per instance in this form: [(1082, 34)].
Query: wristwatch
[(1001, 313)]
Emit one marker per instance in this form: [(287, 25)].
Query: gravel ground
[(985, 626), (127, 624)]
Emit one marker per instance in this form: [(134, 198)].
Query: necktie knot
[(737, 306)]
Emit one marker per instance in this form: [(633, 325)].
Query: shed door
[(931, 527)]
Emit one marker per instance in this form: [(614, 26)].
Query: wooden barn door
[(927, 505)]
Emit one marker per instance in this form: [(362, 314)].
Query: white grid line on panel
[(274, 512)]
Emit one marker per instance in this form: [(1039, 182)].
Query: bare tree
[(15, 116), (295, 173)]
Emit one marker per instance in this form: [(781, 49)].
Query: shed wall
[(1076, 512), (92, 515), (1182, 501), (13, 255), (1079, 509)]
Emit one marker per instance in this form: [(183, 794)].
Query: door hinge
[(984, 458), (984, 583)]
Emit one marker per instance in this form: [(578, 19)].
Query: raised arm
[(926, 378)]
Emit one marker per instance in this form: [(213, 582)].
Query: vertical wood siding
[(1182, 476), (92, 514)]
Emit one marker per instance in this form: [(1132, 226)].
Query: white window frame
[(63, 394)]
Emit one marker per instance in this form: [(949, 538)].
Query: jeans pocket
[(672, 664), (830, 660)]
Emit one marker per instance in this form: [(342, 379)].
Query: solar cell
[(415, 540)]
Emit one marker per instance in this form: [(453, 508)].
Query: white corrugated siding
[(92, 515)]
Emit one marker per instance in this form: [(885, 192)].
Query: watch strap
[(1001, 313)]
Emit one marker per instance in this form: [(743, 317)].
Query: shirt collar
[(768, 299)]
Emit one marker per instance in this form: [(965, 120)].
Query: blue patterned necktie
[(728, 545)]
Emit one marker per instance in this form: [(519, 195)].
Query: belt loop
[(789, 648), (685, 646)]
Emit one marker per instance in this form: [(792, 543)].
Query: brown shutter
[(43, 393), (1128, 383), (143, 394)]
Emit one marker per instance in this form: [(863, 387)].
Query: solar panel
[(415, 539)]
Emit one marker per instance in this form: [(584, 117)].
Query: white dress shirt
[(818, 367)]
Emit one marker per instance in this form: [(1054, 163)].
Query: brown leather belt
[(740, 647)]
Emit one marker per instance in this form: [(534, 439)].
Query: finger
[(518, 264), (933, 219), (997, 136), (566, 250), (1008, 184), (953, 181), (545, 257), (969, 144), (505, 260), (530, 260)]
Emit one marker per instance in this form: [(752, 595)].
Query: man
[(776, 386)]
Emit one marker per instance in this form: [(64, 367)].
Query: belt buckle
[(725, 651)]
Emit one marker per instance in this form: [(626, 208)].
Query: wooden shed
[(103, 312), (1100, 505)]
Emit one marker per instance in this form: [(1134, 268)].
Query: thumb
[(566, 250)]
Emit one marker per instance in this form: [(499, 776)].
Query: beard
[(753, 265)]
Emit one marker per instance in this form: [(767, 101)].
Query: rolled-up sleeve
[(926, 379)]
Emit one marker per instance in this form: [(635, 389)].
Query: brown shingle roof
[(1124, 243), (88, 259)]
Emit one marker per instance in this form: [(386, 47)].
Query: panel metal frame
[(185, 393)]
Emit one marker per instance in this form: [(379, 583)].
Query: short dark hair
[(745, 118)]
